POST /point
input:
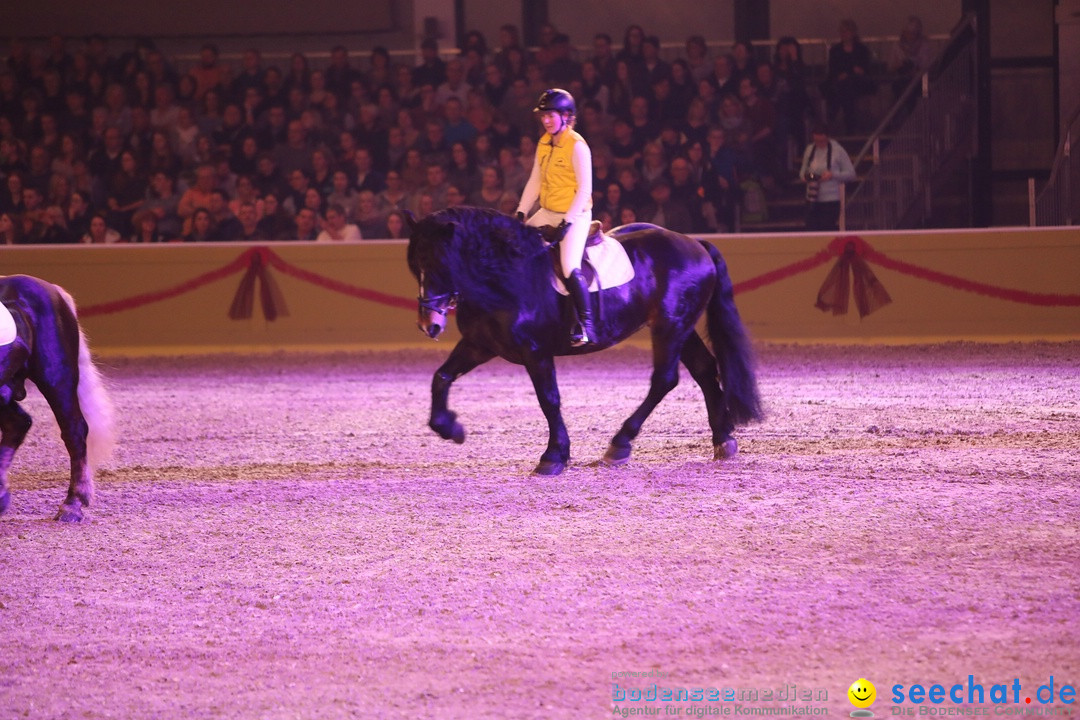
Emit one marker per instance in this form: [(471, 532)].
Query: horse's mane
[(493, 259)]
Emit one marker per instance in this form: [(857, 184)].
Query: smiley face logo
[(862, 694)]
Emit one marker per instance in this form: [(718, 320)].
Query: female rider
[(562, 181)]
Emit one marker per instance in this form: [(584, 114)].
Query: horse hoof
[(5, 501), (69, 514), (457, 434), (615, 456), (549, 467), (726, 449)]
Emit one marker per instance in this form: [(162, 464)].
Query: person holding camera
[(825, 167)]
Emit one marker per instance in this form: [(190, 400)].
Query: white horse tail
[(97, 408)]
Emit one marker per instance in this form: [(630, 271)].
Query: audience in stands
[(96, 148)]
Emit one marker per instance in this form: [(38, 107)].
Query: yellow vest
[(558, 182)]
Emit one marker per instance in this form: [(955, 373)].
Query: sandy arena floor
[(283, 537)]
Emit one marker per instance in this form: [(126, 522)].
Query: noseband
[(441, 303)]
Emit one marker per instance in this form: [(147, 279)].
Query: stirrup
[(578, 337)]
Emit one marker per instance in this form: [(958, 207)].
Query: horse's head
[(436, 297), (433, 309)]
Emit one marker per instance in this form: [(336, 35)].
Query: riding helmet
[(556, 99)]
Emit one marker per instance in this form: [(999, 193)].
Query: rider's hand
[(520, 216)]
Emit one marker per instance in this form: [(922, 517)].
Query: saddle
[(8, 333), (604, 265)]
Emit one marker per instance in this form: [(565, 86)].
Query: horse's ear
[(410, 220), (449, 228)]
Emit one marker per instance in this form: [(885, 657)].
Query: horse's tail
[(97, 408), (731, 345)]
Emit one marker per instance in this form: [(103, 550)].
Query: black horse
[(498, 273), (50, 350)]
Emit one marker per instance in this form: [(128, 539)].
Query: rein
[(441, 303)]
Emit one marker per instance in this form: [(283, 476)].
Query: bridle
[(441, 304)]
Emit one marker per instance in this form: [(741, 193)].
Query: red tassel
[(271, 298)]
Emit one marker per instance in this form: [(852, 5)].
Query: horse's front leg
[(557, 455), (14, 423), (464, 357)]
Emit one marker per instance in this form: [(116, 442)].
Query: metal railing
[(1059, 201), (919, 144)]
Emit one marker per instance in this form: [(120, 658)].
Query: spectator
[(295, 152), (665, 210), (100, 233), (209, 73), (78, 214), (394, 196), (455, 127), (463, 172), (396, 226), (371, 223), (563, 69), (339, 73), (322, 174), (514, 174), (127, 191), (12, 200), (848, 77), (54, 229), (723, 78), (603, 58), (791, 71), (10, 229), (413, 172), (276, 222), (490, 190), (249, 223), (251, 73), (455, 85), (910, 56), (299, 74), (761, 115), (343, 195), (165, 112), (202, 225), (431, 70), (825, 168), (742, 59), (163, 202), (509, 42), (196, 196), (267, 178), (104, 159), (380, 70), (655, 67), (697, 58), (226, 226), (306, 224), (435, 187), (688, 191), (336, 228), (593, 87), (146, 230), (246, 192)]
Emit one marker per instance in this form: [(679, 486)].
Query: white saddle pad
[(613, 266), (7, 326)]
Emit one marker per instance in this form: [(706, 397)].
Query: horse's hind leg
[(702, 365), (463, 358), (14, 424), (665, 376)]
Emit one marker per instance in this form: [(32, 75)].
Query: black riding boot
[(579, 293)]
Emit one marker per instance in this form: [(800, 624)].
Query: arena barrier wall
[(979, 285)]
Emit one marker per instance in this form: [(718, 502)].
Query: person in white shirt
[(335, 228), (825, 167)]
